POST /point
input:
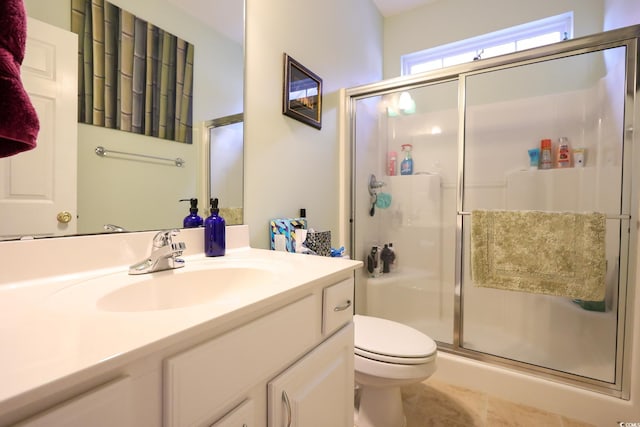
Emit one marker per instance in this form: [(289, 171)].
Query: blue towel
[(383, 200)]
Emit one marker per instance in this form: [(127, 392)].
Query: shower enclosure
[(224, 166), (470, 129)]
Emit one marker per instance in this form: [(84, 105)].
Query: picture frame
[(302, 93)]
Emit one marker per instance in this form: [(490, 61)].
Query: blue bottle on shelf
[(214, 232), (406, 167), (193, 220)]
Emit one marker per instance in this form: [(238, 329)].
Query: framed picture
[(302, 93)]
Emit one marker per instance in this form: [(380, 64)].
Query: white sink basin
[(195, 284), (167, 290)]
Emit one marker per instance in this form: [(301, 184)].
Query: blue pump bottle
[(214, 232), (406, 167), (193, 220)]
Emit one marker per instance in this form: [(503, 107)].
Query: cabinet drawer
[(105, 406), (202, 381), (337, 305)]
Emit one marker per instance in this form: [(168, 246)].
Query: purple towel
[(18, 119)]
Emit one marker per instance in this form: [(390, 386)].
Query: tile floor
[(434, 404)]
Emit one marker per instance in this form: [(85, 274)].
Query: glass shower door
[(414, 212), (508, 112)]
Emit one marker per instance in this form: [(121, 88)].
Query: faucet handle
[(164, 238), (177, 248)]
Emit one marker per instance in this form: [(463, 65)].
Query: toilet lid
[(393, 342)]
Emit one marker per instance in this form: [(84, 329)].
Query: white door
[(38, 185)]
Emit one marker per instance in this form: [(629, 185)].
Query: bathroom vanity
[(102, 348)]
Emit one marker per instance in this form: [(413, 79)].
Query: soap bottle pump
[(193, 220), (406, 167), (214, 232)]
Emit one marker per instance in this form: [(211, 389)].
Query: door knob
[(64, 217)]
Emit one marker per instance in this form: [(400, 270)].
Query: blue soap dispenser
[(214, 232), (193, 220)]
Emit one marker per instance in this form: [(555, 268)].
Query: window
[(520, 37)]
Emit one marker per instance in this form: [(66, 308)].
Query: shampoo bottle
[(391, 165), (406, 167), (394, 258), (563, 156), (387, 257), (214, 232), (545, 154), (193, 220)]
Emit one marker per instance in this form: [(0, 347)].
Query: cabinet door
[(201, 381), (242, 416), (318, 390)]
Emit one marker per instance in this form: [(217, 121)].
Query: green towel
[(551, 253), (591, 305)]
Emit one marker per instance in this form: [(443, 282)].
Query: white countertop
[(51, 329)]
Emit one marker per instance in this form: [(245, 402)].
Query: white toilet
[(388, 355)]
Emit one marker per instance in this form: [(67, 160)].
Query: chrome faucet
[(164, 254)]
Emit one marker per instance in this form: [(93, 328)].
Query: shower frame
[(626, 37)]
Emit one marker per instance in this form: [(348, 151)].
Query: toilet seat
[(392, 342)]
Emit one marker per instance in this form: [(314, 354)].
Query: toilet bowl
[(388, 355)]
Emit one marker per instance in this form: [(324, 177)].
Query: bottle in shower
[(391, 163), (545, 154), (394, 262), (563, 157), (406, 167)]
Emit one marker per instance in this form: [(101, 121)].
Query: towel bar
[(621, 217), (101, 151)]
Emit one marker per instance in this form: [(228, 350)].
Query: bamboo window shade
[(132, 75)]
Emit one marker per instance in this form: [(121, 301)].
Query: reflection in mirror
[(135, 193), (226, 166)]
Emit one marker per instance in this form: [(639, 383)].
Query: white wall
[(443, 22), (288, 164), (621, 13), (144, 195)]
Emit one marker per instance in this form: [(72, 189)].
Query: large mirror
[(133, 192)]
